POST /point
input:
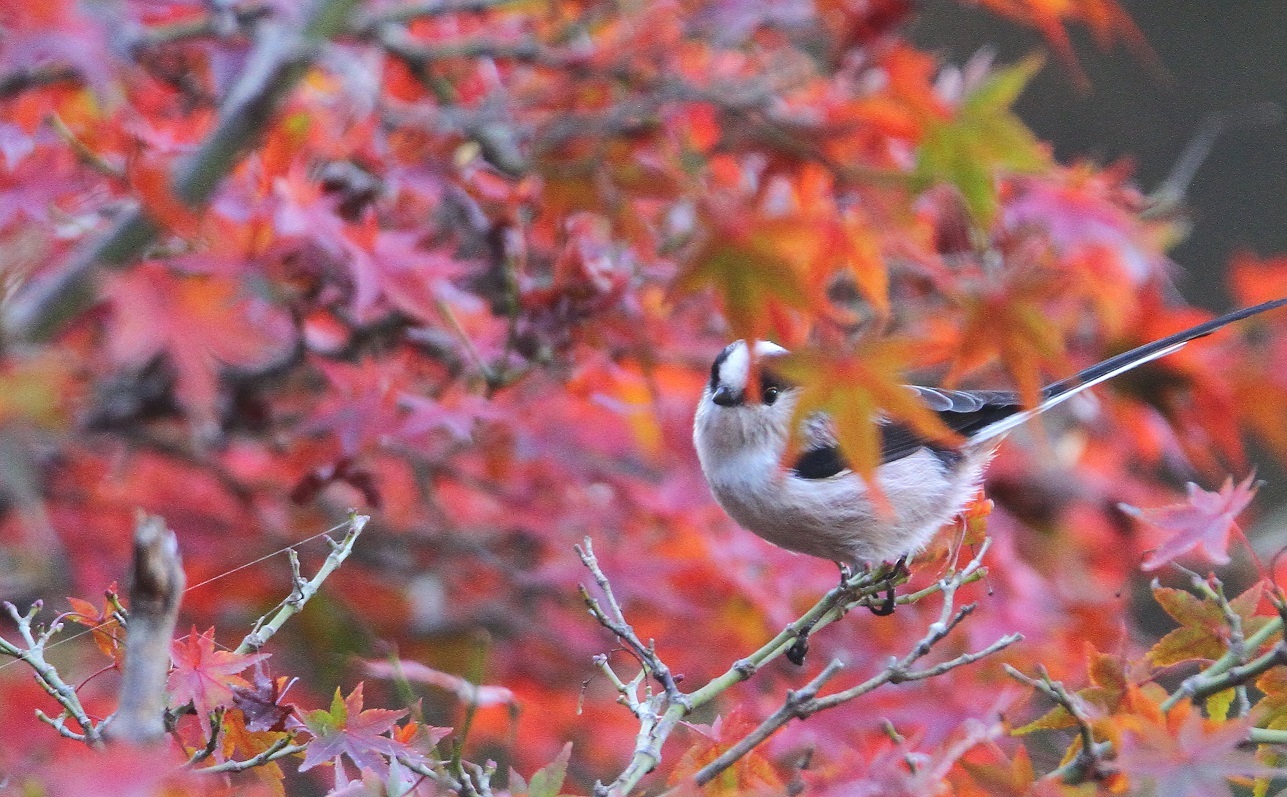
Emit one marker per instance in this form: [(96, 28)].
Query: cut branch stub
[(156, 588)]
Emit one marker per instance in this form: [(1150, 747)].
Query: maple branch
[(19, 80), (1213, 589), (1195, 684), (437, 776), (659, 714), (805, 703), (1089, 762), (477, 781), (302, 590), (795, 705), (156, 589), (1234, 677), (279, 59), (368, 23), (33, 655), (216, 729), (615, 621), (279, 749)]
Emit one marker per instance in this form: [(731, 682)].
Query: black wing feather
[(963, 411)]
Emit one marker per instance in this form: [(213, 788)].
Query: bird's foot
[(798, 650), (896, 572)]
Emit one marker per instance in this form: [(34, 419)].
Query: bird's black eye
[(771, 386)]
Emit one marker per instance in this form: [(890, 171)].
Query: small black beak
[(725, 397)]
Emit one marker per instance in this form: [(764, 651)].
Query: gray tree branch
[(659, 714), (277, 62), (156, 589)]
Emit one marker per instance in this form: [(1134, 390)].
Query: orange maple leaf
[(854, 391), (1011, 322), (1107, 20)]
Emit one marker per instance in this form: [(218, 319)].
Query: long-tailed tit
[(818, 506)]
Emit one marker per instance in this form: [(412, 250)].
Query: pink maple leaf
[(205, 676), (1204, 521), (1190, 761)]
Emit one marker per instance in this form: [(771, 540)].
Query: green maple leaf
[(751, 278), (983, 140), (1203, 634), (362, 734)]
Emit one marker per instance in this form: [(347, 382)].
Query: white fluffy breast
[(741, 450)]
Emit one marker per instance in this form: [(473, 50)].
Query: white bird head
[(735, 414), (731, 372)]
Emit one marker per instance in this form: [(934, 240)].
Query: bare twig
[(33, 655), (805, 703), (156, 588), (1234, 676), (367, 24), (1089, 763), (279, 749), (615, 621), (659, 714), (796, 705), (430, 772), (302, 590)]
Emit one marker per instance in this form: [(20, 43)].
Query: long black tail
[(1151, 351), (1061, 391)]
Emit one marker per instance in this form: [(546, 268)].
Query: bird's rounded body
[(832, 517)]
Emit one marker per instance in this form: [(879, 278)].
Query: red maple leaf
[(372, 404), (1107, 20), (347, 729), (382, 263), (202, 322), (1204, 520), (205, 676)]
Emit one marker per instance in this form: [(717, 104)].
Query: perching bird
[(818, 506)]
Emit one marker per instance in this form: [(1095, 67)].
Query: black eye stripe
[(719, 362)]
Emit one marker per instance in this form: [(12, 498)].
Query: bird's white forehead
[(734, 364)]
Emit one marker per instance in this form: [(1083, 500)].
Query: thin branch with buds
[(1212, 589), (1232, 670), (279, 749), (32, 653), (302, 590), (805, 703), (614, 620), (661, 712), (1089, 763)]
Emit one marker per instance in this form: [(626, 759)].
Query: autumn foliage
[(462, 265)]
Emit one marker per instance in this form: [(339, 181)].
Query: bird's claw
[(846, 573), (798, 650), (886, 607), (896, 572)]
